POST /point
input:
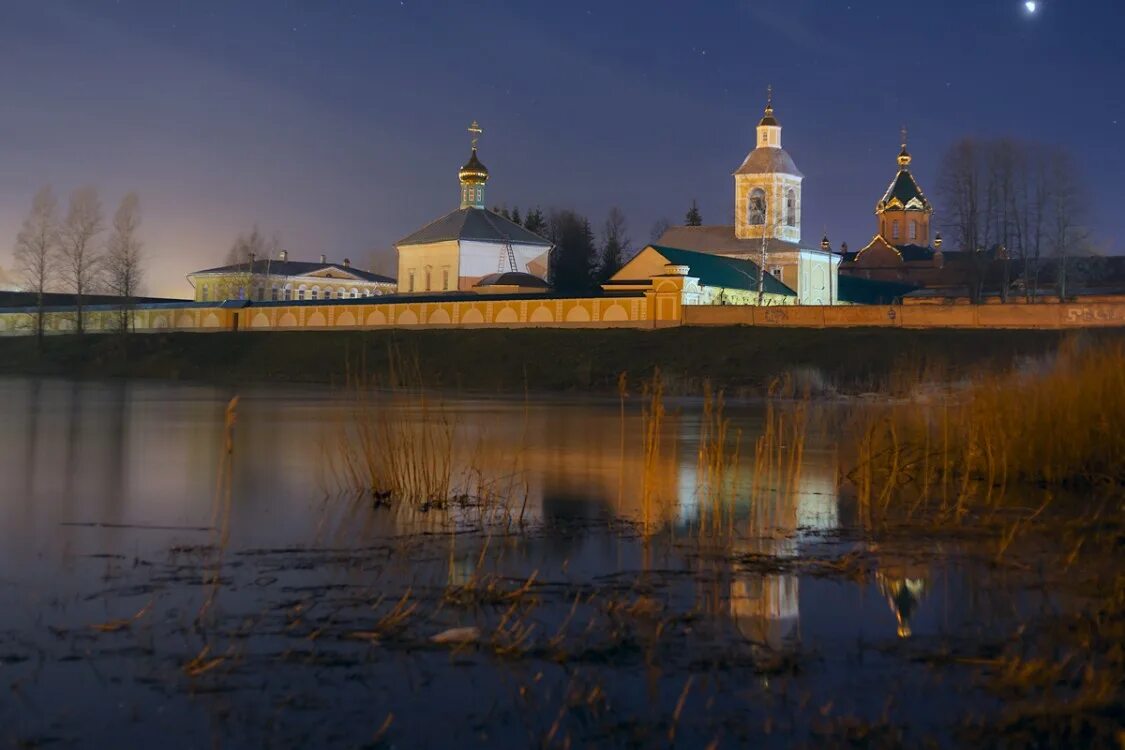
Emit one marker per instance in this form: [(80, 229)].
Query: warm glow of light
[(1031, 6)]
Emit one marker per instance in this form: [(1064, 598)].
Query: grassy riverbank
[(742, 360)]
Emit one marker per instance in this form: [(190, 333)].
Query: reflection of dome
[(903, 595), (473, 171), (512, 278)]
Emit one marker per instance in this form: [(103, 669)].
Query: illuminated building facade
[(471, 248), (767, 222)]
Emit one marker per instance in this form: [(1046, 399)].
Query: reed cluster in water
[(1054, 427), (398, 442)]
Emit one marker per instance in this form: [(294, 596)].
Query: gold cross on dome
[(475, 131), (904, 136), (769, 96)]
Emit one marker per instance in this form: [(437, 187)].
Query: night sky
[(340, 124)]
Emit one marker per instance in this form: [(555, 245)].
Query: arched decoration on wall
[(507, 315), (791, 208), (211, 320), (439, 317), (345, 318), (756, 207), (287, 320), (261, 320), (376, 318), (578, 314), (542, 314), (316, 320), (185, 320), (472, 316), (406, 318), (3, 322), (615, 313), (159, 322)]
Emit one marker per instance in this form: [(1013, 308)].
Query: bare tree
[(960, 184), (250, 258), (36, 249), (81, 263), (1067, 209), (658, 229), (615, 244), (123, 258)]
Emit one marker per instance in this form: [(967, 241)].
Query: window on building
[(275, 293), (355, 294), (791, 208), (242, 292), (756, 209), (913, 230), (410, 280), (894, 229), (260, 294), (288, 294), (445, 279), (204, 293), (428, 287), (314, 293), (765, 138), (300, 294), (776, 271)]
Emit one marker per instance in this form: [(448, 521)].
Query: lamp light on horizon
[(1032, 6)]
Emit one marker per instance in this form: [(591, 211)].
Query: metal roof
[(473, 224)]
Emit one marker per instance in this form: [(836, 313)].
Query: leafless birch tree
[(123, 268), (79, 255), (36, 250)]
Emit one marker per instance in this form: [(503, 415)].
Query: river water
[(112, 495)]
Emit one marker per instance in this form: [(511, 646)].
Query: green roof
[(861, 291), (721, 271)]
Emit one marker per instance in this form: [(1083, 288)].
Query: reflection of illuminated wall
[(765, 609)]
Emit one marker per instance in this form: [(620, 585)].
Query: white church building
[(472, 248), (767, 222)]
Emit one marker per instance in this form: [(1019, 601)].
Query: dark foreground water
[(134, 612)]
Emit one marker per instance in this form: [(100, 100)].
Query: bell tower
[(767, 187)]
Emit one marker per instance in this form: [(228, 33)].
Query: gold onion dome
[(768, 119), (904, 155), (473, 171)]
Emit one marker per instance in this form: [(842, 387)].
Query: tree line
[(72, 253), (583, 259), (1014, 201)]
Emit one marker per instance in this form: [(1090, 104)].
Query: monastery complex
[(473, 267)]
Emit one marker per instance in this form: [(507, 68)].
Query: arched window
[(756, 208), (301, 292), (204, 293), (288, 293), (913, 230), (428, 287), (315, 294), (275, 294), (355, 293), (791, 208), (894, 229)]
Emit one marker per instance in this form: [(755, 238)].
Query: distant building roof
[(296, 268), (473, 224), (720, 240), (513, 278), (722, 271), (54, 299)]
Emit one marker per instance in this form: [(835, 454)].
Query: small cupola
[(473, 175), (769, 129)]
